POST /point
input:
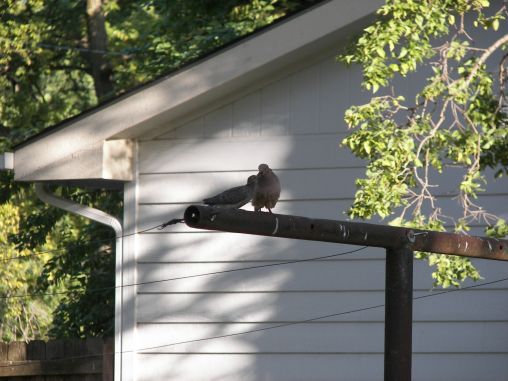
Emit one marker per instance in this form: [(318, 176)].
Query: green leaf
[(454, 121)]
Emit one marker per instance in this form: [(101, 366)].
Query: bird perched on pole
[(267, 189), (234, 198)]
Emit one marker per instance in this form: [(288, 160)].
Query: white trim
[(97, 215), (125, 305), (88, 212), (177, 95), (106, 160), (6, 161)]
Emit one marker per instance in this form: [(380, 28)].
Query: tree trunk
[(98, 40)]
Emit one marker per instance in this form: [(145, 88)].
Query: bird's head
[(263, 169)]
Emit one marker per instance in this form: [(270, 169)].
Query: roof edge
[(189, 64)]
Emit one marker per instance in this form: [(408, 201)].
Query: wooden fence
[(57, 360)]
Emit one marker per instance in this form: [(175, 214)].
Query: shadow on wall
[(219, 150), (183, 167)]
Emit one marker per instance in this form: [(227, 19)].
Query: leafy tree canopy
[(457, 121), (21, 317), (55, 56)]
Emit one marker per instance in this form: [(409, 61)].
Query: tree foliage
[(52, 52), (82, 266), (22, 318), (456, 122)]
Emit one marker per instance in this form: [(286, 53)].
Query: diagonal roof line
[(219, 50)]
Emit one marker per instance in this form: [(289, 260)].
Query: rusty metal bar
[(353, 233), (398, 313), (398, 242)]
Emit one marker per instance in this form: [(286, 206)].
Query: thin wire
[(143, 350), (186, 276), (91, 51), (311, 319), (89, 242), (254, 267), (123, 53), (140, 350)]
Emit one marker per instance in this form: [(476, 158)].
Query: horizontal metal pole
[(353, 233)]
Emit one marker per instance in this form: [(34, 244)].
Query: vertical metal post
[(398, 313)]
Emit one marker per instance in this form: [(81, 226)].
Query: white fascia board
[(243, 64), (6, 161), (103, 160), (180, 93)]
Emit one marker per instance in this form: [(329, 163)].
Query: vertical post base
[(398, 314)]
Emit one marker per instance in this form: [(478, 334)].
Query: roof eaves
[(219, 50)]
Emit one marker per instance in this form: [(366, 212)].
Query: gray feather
[(267, 189), (235, 197)]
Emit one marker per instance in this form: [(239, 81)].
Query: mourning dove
[(267, 189), (235, 197)]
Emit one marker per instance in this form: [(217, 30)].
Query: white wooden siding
[(304, 367), (293, 124)]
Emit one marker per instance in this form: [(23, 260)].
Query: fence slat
[(61, 360), (36, 350), (17, 351), (4, 351), (50, 367), (108, 360)]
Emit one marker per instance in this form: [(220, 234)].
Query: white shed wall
[(295, 125)]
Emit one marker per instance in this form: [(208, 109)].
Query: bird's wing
[(231, 196)]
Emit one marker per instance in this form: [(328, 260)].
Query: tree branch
[(488, 52)]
